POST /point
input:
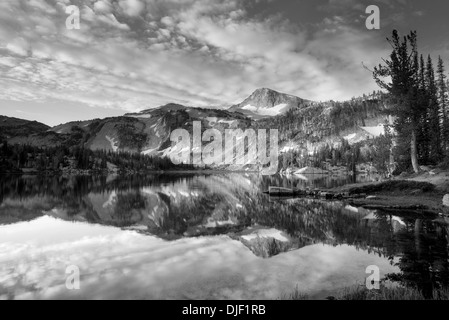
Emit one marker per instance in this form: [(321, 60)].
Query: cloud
[(138, 54), (132, 7), (18, 46), (103, 6)]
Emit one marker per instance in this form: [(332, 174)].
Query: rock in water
[(446, 200), (310, 170)]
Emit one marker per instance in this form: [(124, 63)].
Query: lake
[(194, 236)]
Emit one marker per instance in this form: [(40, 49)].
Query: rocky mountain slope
[(149, 131)]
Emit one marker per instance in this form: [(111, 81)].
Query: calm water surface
[(202, 237)]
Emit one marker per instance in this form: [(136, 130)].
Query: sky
[(131, 55)]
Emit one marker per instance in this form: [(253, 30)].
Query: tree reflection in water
[(175, 206)]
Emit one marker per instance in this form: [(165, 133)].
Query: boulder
[(326, 195), (446, 200), (311, 170)]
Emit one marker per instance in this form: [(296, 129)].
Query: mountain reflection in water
[(202, 236)]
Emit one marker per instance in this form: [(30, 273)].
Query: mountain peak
[(261, 90), (265, 102), (172, 106), (265, 91)]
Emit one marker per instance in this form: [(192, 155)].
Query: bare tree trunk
[(413, 154), (394, 143)]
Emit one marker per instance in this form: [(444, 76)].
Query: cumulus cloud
[(136, 54), (132, 7), (103, 6), (18, 46)]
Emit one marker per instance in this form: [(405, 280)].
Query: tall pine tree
[(423, 125), (403, 70), (433, 113), (443, 101)]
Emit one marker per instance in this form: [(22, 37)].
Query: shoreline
[(109, 173), (423, 192), (415, 192)]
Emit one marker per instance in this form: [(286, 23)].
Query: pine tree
[(423, 129), (443, 101), (402, 68), (5, 148), (433, 113)]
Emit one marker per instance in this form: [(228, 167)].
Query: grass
[(360, 293), (441, 294), (296, 294), (384, 293)]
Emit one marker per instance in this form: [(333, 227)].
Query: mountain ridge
[(12, 126), (303, 125)]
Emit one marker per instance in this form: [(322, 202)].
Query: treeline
[(19, 158), (418, 100), (375, 151), (339, 155), (314, 121)]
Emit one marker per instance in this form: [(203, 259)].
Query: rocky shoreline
[(424, 193)]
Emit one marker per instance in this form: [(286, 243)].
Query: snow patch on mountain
[(375, 131), (266, 233), (111, 200), (211, 223), (212, 120), (350, 136), (149, 151), (113, 142), (274, 111)]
